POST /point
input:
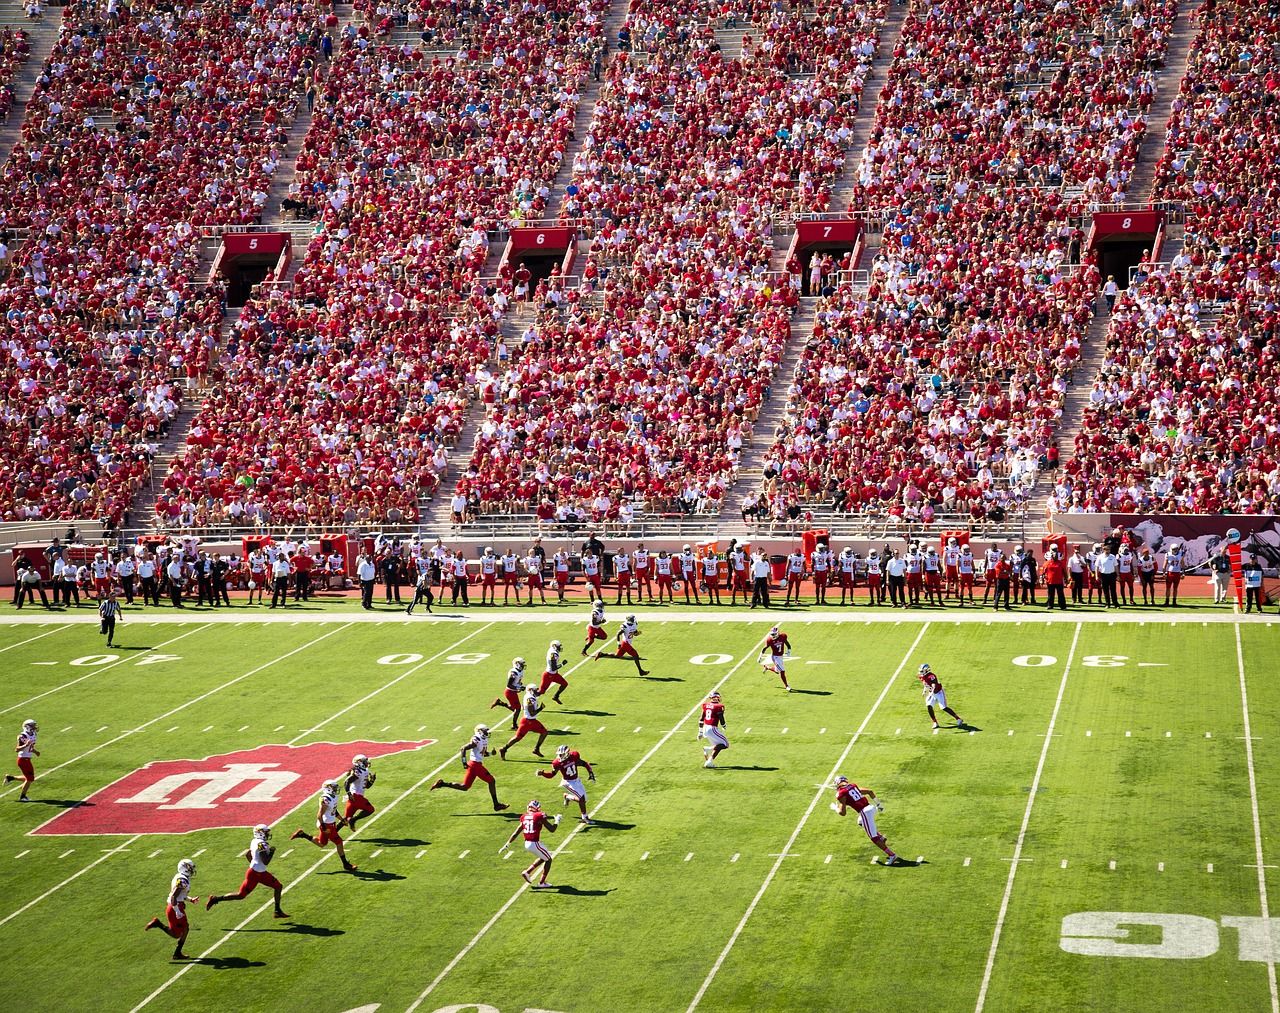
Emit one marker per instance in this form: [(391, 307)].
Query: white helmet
[(517, 662), (359, 760), (951, 540), (841, 779), (631, 618), (715, 695), (482, 729), (773, 631), (262, 832), (562, 752), (599, 603), (873, 554), (924, 668), (535, 805), (846, 551), (30, 725), (186, 868), (534, 690), (556, 645), (488, 550), (329, 787)]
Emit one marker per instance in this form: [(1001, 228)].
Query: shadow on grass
[(395, 842), (297, 929), (377, 875), (573, 891), (224, 963), (723, 766), (607, 825), (61, 803), (591, 714), (811, 692)]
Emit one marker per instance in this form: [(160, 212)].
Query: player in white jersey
[(795, 575), (529, 722), (473, 754), (488, 577), (991, 560), (259, 855), (26, 749), (533, 575), (510, 698), (553, 674), (847, 564), (595, 626), (175, 925), (951, 564), (511, 577), (356, 782), (821, 563), (627, 632), (328, 822), (622, 572)]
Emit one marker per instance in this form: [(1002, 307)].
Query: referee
[(109, 612)]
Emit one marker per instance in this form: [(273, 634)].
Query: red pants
[(476, 770), (562, 580), (328, 832), (512, 698), (593, 579), (624, 580), (873, 582), (535, 580), (28, 771), (489, 580), (550, 679), (625, 650), (528, 725), (355, 804), (253, 880), (177, 920)]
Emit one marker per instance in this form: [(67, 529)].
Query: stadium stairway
[(142, 509), (1169, 84), (41, 34)]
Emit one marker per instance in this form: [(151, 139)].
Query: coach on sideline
[(760, 580)]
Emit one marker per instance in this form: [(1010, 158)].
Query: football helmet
[(773, 631), (562, 752), (262, 832), (329, 787), (598, 603), (186, 868), (841, 779), (631, 619), (517, 662), (925, 669), (714, 696), (488, 550), (534, 690), (359, 760), (535, 806), (556, 645), (30, 725), (482, 729)]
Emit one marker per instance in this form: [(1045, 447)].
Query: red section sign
[(238, 789), (838, 230), (553, 240), (252, 244), (1135, 223)]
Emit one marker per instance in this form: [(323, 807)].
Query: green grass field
[(1104, 769)]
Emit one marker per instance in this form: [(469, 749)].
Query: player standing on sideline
[(640, 560), (355, 783), (711, 730), (992, 559), (951, 561), (933, 578), (778, 646), (711, 576), (662, 567), (850, 796), (560, 564), (473, 754), (510, 698), (847, 563), (595, 625), (964, 572), (511, 577), (1124, 575), (551, 674), (566, 765), (821, 573), (622, 572), (259, 855), (795, 575), (488, 577), (1172, 573), (328, 822), (591, 573), (915, 574), (688, 566), (627, 632), (935, 696), (532, 823), (533, 570), (1146, 577), (26, 749), (738, 563), (528, 723), (175, 908), (109, 613)]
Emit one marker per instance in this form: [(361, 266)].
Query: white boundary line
[(181, 707), (749, 655), (38, 636), (74, 876), (99, 669), (1257, 825), (321, 860), (785, 853), (1022, 831)]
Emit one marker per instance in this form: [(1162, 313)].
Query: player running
[(532, 823), (595, 626), (566, 765), (328, 822), (551, 675), (935, 696), (626, 633), (711, 727), (850, 796), (175, 908), (510, 698), (528, 723), (26, 749), (473, 754), (355, 783), (259, 855), (778, 647)]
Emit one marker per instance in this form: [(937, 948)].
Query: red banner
[(254, 244), (1135, 224), (552, 240), (844, 231)]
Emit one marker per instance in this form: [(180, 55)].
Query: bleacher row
[(937, 387)]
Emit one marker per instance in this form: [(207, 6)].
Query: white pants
[(575, 788), (868, 820), (938, 699), (536, 849), (778, 662), (714, 736)]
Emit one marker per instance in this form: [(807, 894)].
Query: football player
[(551, 674), (473, 754), (711, 727), (355, 783), (175, 908), (935, 696), (528, 723), (850, 796), (566, 765), (259, 855), (531, 824), (26, 749), (595, 626), (328, 822), (1173, 566), (627, 632), (778, 647), (510, 698)]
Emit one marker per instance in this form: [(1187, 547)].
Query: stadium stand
[(14, 49)]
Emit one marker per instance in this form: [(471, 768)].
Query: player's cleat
[(502, 753), (644, 671), (543, 886), (153, 924), (526, 878), (597, 656), (208, 904), (23, 798), (935, 725), (279, 914), (892, 860), (535, 753), (349, 867), (9, 778), (439, 784), (585, 820), (296, 834), (710, 764), (564, 800), (500, 807), (787, 688)]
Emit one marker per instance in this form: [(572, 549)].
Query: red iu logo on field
[(238, 789)]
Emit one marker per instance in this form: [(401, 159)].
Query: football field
[(1099, 835)]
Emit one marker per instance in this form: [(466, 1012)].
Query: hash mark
[(174, 728), (1168, 735), (279, 728), (154, 853), (919, 859), (200, 852), (688, 856), (422, 728), (209, 729), (420, 853), (746, 731), (287, 853), (465, 853), (966, 863), (827, 860), (1208, 735), (351, 728), (66, 853), (103, 728), (21, 853), (599, 855), (1112, 865), (637, 729), (822, 731), (1088, 734), (1210, 867), (600, 729), (387, 729), (898, 732), (1160, 865), (1064, 864), (785, 730), (376, 853), (458, 729), (734, 857), (1010, 731), (644, 856), (1127, 734)]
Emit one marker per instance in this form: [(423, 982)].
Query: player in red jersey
[(328, 823), (355, 783), (777, 646), (595, 626), (850, 796), (532, 823), (551, 675), (711, 727), (627, 632), (259, 855), (529, 722), (26, 749), (510, 698), (473, 754), (175, 908), (935, 696), (566, 765)]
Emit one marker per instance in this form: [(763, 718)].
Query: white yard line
[(182, 707), (475, 940), (1257, 825), (813, 804), (1022, 831), (70, 879), (38, 636), (99, 669)]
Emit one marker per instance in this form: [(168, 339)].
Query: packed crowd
[(151, 120), (1183, 416), (14, 49)]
